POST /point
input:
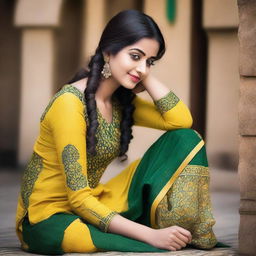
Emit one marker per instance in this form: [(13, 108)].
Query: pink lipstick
[(135, 79)]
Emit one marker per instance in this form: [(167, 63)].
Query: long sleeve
[(68, 126), (167, 113)]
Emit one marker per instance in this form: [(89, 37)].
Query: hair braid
[(95, 66), (125, 97)]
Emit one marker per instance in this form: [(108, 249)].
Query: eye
[(151, 62), (135, 56)]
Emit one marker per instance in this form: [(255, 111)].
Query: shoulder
[(67, 99), (80, 84)]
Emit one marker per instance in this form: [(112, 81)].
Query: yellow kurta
[(62, 177)]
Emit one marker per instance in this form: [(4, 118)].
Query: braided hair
[(126, 28)]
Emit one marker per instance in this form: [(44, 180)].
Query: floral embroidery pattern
[(167, 102), (103, 221), (75, 178), (107, 148), (30, 176), (66, 88), (187, 204)]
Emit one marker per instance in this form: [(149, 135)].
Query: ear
[(105, 56)]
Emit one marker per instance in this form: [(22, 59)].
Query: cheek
[(122, 64)]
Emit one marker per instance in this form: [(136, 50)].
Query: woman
[(160, 202)]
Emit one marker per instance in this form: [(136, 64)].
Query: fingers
[(172, 238), (185, 233), (177, 240), (138, 88), (183, 238), (175, 246), (171, 248)]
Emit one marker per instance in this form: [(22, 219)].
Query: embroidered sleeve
[(75, 178), (167, 102), (168, 113), (67, 122), (30, 176)]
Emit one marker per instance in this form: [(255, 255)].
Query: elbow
[(188, 122), (74, 203), (178, 117), (185, 118), (181, 123), (79, 198)]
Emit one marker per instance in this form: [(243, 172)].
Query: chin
[(130, 87), (127, 85)]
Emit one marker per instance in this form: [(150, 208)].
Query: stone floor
[(225, 207)]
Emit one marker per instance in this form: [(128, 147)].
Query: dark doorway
[(9, 84), (198, 78)]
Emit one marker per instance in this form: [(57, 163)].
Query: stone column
[(247, 126), (37, 20), (93, 26), (220, 22)]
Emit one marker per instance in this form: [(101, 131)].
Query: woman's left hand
[(153, 86), (138, 88)]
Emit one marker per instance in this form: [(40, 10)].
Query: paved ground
[(225, 199)]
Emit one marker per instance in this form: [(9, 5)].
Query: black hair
[(125, 28)]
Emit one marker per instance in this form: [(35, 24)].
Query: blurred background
[(44, 42)]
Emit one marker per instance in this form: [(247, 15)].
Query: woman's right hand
[(172, 238)]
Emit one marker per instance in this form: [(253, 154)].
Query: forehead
[(149, 46)]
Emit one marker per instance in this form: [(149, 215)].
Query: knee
[(185, 134), (77, 238)]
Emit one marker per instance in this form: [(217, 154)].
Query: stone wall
[(247, 126)]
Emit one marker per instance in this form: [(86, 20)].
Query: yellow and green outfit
[(63, 207)]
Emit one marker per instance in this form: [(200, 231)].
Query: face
[(132, 64)]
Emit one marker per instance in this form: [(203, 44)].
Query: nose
[(142, 67)]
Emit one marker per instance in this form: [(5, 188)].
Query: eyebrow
[(143, 53)]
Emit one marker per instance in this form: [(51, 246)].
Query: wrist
[(147, 80), (145, 234), (150, 236)]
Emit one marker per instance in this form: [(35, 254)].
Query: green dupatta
[(160, 166)]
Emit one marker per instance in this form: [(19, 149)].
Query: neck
[(106, 89)]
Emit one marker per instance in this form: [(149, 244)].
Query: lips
[(134, 78)]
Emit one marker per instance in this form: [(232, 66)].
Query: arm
[(167, 113), (68, 127), (172, 238), (154, 87)]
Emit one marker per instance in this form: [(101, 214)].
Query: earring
[(106, 72)]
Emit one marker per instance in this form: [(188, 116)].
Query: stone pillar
[(36, 85), (220, 21), (37, 20), (247, 126), (93, 26)]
